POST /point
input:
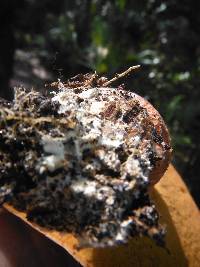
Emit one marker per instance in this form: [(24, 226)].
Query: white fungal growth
[(102, 151), (54, 154), (88, 93), (51, 163), (53, 146), (97, 107), (84, 157)]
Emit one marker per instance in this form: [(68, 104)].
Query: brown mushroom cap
[(160, 126), (163, 146)]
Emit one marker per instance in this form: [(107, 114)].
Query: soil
[(78, 160)]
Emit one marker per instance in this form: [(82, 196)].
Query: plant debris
[(79, 161)]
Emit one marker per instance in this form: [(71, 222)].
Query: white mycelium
[(83, 162), (108, 166)]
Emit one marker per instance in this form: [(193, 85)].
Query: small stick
[(120, 75)]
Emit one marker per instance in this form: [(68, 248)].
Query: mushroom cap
[(157, 120)]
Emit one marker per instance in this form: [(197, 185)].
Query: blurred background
[(41, 41)]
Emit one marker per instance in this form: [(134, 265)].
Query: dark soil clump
[(79, 161)]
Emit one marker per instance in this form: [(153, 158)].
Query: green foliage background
[(109, 36)]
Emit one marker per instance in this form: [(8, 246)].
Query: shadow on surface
[(20, 245)]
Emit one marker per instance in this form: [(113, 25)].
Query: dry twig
[(121, 75)]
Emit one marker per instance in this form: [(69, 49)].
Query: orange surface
[(178, 212)]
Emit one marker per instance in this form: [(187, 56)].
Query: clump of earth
[(78, 160)]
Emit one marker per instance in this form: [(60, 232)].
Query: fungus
[(79, 161)]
